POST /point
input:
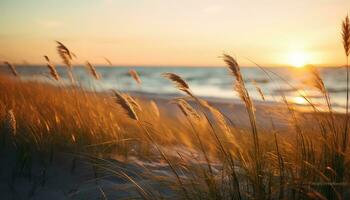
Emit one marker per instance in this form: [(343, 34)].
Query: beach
[(98, 176), (192, 100)]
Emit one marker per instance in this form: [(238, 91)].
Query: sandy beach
[(77, 175), (183, 100)]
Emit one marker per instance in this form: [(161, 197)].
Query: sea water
[(296, 84)]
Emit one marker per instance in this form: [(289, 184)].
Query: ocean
[(213, 82)]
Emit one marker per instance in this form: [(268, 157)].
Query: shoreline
[(84, 182), (232, 108), (235, 110)]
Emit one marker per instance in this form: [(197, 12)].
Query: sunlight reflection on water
[(210, 82)]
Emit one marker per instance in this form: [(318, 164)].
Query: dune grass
[(223, 162)]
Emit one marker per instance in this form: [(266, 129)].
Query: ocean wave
[(336, 90)]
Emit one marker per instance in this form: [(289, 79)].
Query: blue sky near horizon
[(158, 32)]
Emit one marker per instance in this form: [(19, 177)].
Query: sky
[(175, 32)]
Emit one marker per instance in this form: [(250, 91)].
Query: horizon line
[(170, 66)]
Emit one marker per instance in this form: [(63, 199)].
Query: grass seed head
[(52, 68), (12, 68), (179, 82), (135, 76), (65, 54), (126, 105), (93, 70)]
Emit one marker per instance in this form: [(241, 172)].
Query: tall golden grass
[(93, 70), (220, 160), (52, 68)]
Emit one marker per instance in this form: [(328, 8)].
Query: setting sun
[(298, 59)]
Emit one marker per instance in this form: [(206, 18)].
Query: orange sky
[(173, 33)]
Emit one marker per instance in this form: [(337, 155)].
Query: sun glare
[(297, 59), (299, 100)]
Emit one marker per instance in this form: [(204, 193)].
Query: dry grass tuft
[(132, 101), (346, 44), (242, 91), (52, 68), (65, 54), (67, 57), (187, 109), (179, 82), (93, 71), (126, 105), (233, 66)]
